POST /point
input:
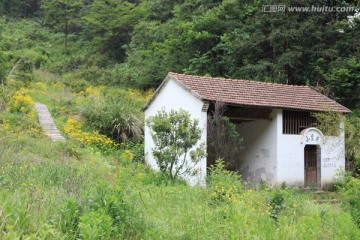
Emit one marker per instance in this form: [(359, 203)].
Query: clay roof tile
[(261, 94)]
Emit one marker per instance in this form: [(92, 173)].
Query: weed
[(225, 185), (95, 226), (70, 217), (277, 203)]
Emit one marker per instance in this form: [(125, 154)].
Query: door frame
[(318, 166)]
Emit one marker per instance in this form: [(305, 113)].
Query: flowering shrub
[(21, 102), (73, 128), (144, 96), (128, 155), (91, 90), (225, 185), (17, 124)]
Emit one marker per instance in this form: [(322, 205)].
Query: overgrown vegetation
[(81, 190), (87, 58), (223, 139), (333, 124)]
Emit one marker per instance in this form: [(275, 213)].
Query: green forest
[(95, 63)]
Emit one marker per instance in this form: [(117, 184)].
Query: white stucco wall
[(258, 159), (275, 157), (290, 159), (332, 159), (174, 97)]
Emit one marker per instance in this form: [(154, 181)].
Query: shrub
[(277, 203), (174, 135), (223, 139), (352, 136), (352, 196), (128, 155), (137, 148), (73, 128), (76, 85), (225, 185), (329, 124), (21, 102), (114, 113)]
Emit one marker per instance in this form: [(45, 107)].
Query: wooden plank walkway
[(47, 123)]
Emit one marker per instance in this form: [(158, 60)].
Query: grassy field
[(90, 187)]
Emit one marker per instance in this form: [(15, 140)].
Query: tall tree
[(63, 16), (166, 44), (108, 25)]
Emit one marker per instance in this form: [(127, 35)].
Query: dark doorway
[(312, 166)]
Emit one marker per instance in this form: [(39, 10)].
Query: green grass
[(53, 191)]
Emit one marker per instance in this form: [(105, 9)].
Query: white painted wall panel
[(258, 158), (332, 159), (290, 159)]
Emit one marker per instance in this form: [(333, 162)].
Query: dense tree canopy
[(20, 8), (135, 43)]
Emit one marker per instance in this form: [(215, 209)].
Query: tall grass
[(176, 211), (115, 113), (50, 192)]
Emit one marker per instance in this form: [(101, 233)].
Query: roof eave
[(344, 111)]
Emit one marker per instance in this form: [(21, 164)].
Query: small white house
[(279, 140)]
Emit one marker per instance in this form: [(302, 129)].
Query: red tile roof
[(259, 94)]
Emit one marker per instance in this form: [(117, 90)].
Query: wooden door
[(311, 157)]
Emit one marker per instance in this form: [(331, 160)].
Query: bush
[(225, 185), (223, 139), (73, 128), (277, 203), (114, 112), (21, 102), (76, 85), (352, 151), (137, 148), (175, 135), (352, 197)]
